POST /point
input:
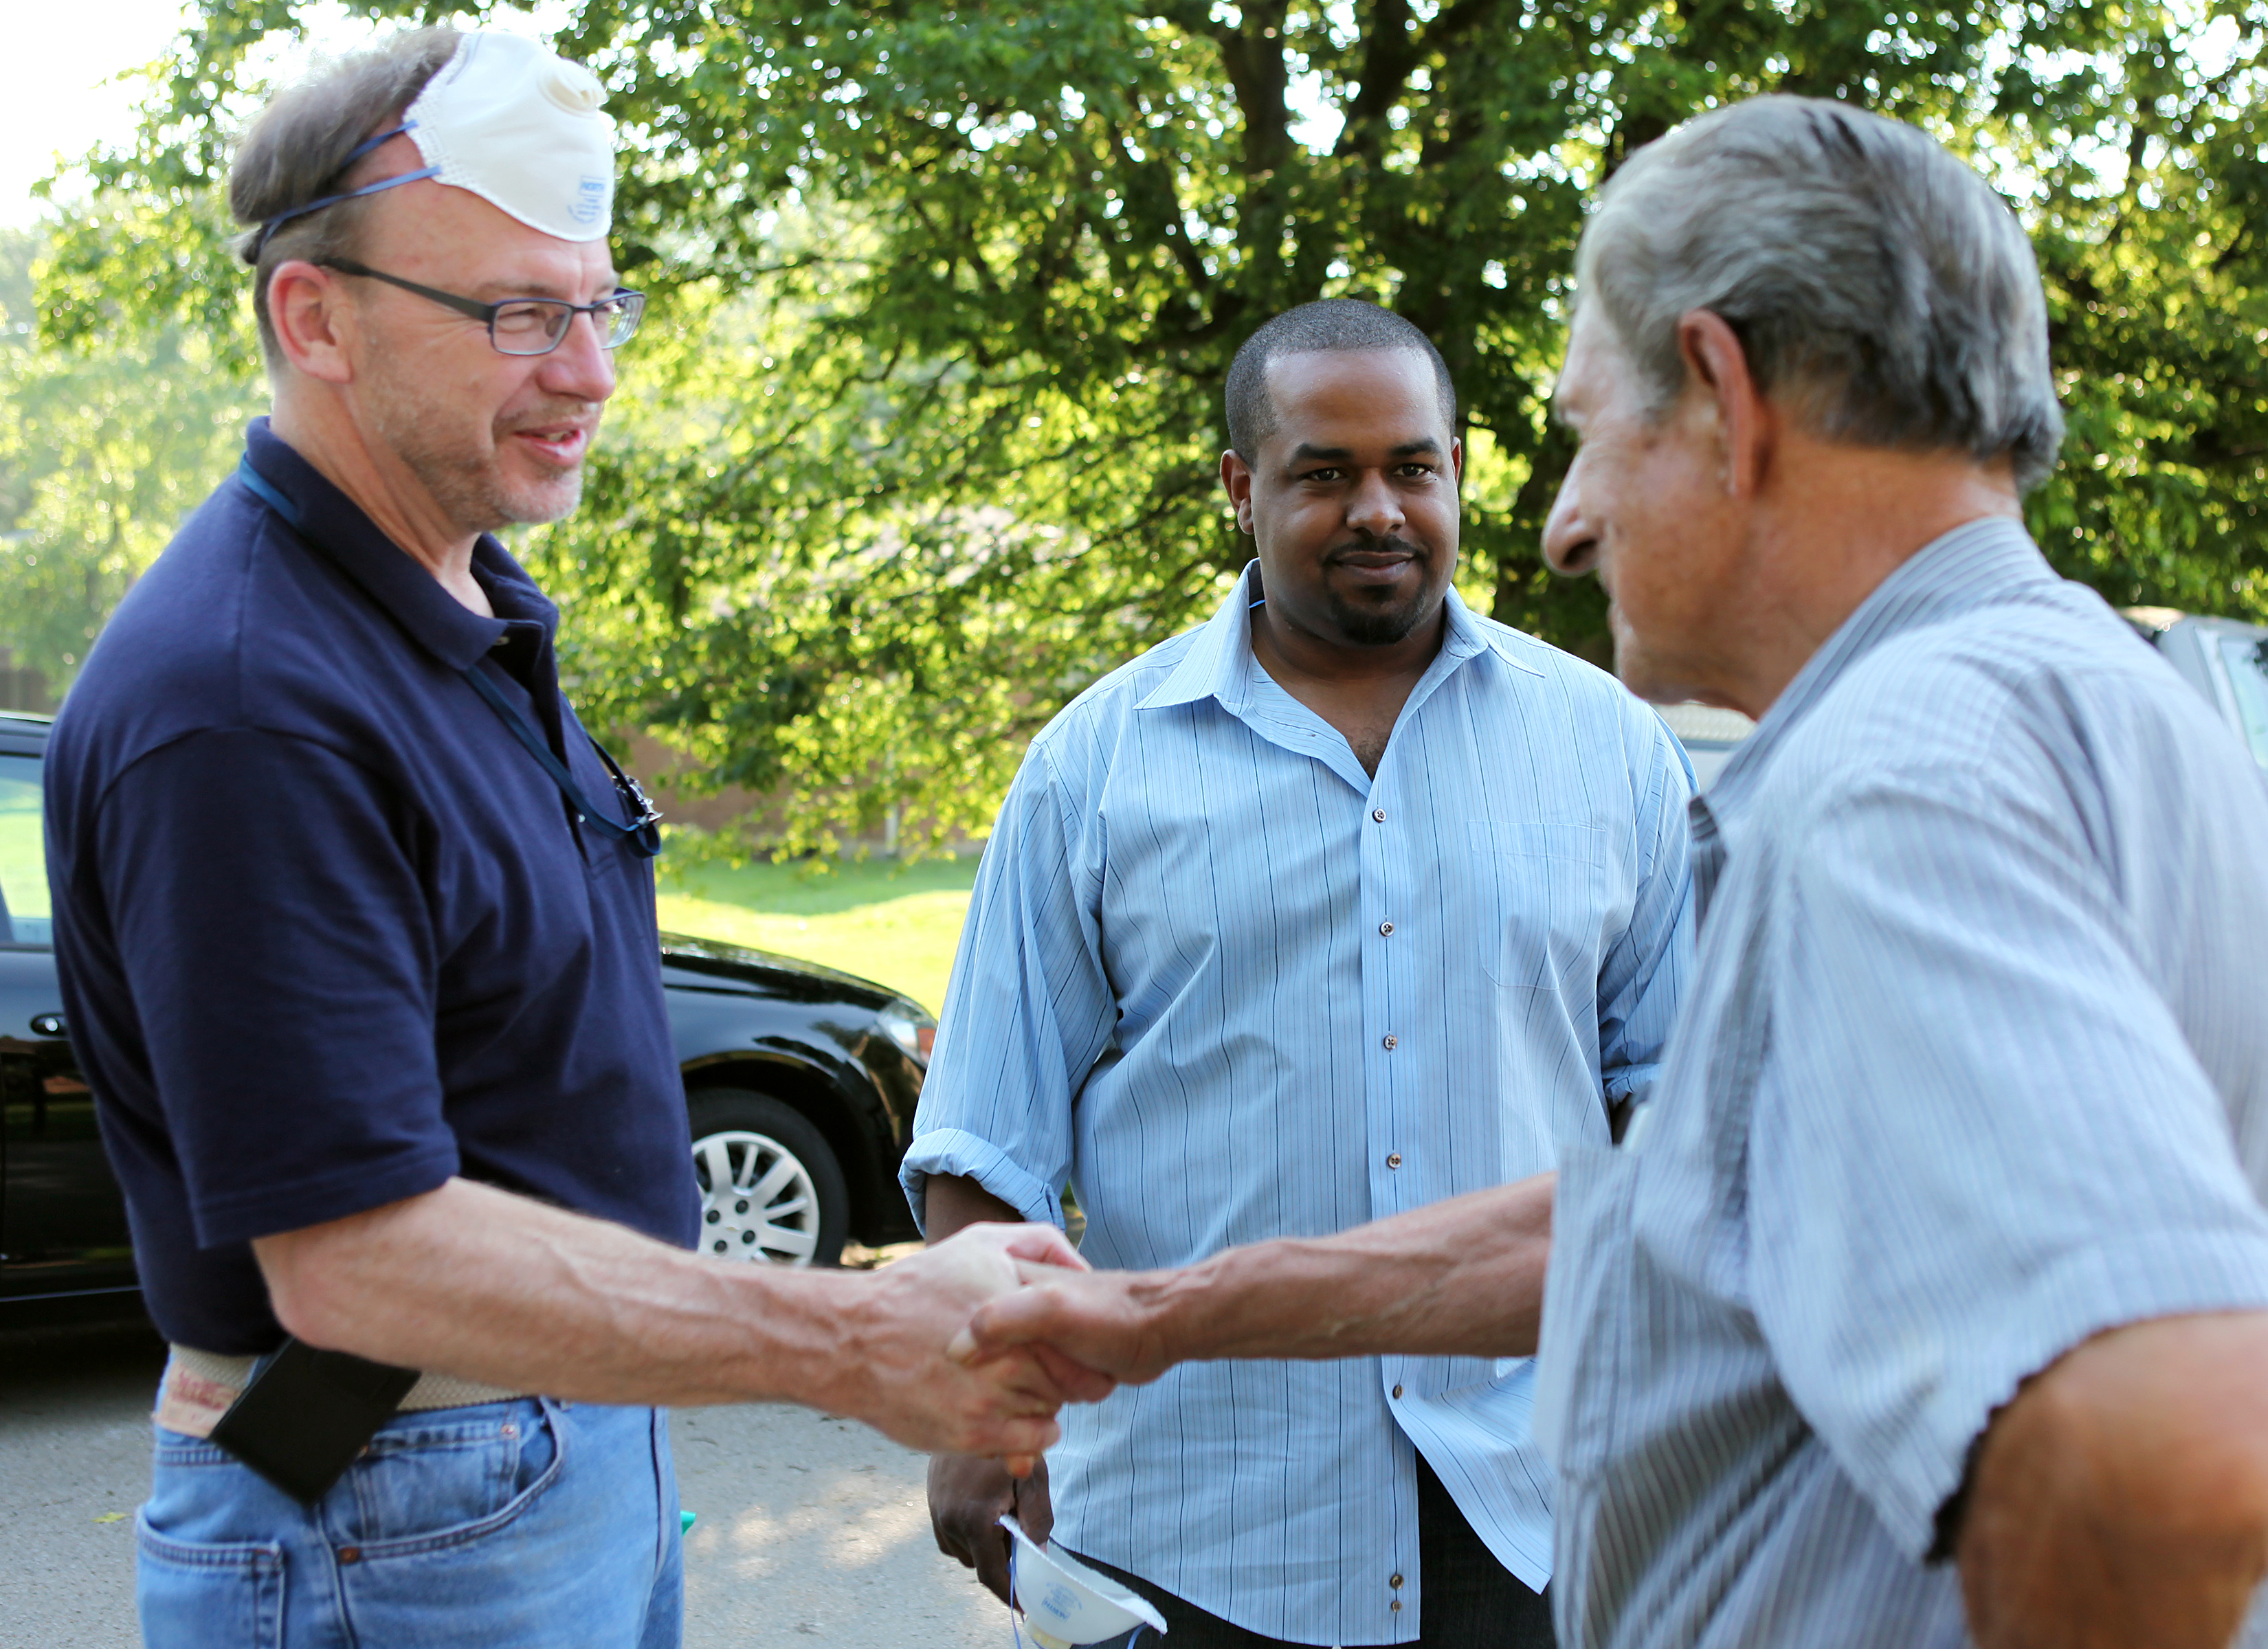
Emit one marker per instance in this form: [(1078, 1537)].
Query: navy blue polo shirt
[(328, 935)]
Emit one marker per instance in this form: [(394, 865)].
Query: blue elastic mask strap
[(640, 833), (266, 491), (269, 229), (369, 143)]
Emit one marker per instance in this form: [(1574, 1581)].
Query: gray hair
[(295, 151), (1879, 286)]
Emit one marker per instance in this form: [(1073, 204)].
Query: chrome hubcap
[(757, 1201)]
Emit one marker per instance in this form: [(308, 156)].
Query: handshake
[(971, 1346), (999, 1327)]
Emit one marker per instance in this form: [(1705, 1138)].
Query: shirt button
[(1396, 1581), (1394, 1160), (1395, 1606), (1378, 815), (1387, 1042), (1397, 1392), (1385, 928)]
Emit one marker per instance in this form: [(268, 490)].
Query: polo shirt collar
[(1219, 662), (1981, 564), (336, 526)]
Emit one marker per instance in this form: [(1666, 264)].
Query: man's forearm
[(1461, 1278), (2122, 1497), (953, 1202), (474, 1282)]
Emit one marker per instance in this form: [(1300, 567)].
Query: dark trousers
[(1470, 1601)]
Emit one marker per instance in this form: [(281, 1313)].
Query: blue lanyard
[(642, 835)]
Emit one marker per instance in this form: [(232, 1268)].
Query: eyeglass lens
[(536, 325)]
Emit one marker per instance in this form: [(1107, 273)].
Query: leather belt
[(199, 1386)]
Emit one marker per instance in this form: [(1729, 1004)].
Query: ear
[(1457, 459), (1747, 422), (1236, 480), (308, 308)]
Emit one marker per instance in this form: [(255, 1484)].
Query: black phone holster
[(307, 1414)]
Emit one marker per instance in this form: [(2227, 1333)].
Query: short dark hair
[(296, 150), (1328, 326)]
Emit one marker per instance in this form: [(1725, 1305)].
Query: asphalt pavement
[(811, 1531)]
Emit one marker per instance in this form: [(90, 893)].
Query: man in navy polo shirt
[(357, 938)]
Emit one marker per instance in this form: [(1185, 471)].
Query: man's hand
[(901, 1382), (1107, 1321), (968, 1496)]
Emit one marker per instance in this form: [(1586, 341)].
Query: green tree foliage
[(102, 451), (923, 437)]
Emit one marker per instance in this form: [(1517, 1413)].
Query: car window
[(22, 854), (2247, 658)]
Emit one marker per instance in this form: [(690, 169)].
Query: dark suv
[(799, 1090)]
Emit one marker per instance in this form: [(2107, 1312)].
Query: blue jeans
[(503, 1524)]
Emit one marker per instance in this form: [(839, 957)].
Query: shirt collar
[(1980, 563), (1219, 663), (336, 526)]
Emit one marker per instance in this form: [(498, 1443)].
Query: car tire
[(755, 1143)]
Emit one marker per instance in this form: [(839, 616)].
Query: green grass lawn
[(895, 925)]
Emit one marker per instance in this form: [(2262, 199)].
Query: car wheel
[(771, 1191)]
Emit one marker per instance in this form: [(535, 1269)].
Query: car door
[(62, 1222)]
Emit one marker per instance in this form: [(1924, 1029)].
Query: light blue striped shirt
[(1975, 1066), (1233, 988)]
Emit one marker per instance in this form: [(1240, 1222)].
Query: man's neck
[(1854, 518), (1359, 690), (384, 489)]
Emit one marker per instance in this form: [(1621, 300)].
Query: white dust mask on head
[(512, 123), (525, 130), (1065, 1603)]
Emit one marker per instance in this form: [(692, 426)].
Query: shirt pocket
[(1541, 888)]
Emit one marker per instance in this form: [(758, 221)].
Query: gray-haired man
[(1936, 1267), (365, 977)]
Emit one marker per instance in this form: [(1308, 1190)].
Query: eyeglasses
[(523, 326)]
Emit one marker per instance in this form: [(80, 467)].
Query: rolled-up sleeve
[(1029, 1009), (1982, 1138)]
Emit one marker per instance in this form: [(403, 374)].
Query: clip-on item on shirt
[(1065, 1603), (307, 1414), (641, 834)]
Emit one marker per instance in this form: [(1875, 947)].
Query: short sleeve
[(1980, 1138), (1642, 979), (276, 941), (1029, 1011)]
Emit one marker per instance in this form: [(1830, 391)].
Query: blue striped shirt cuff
[(954, 1151)]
